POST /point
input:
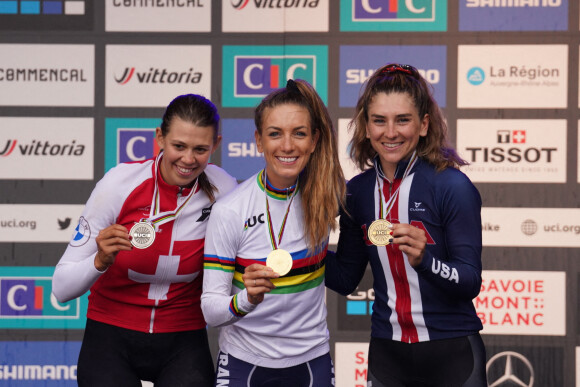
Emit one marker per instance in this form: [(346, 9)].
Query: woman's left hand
[(411, 240)]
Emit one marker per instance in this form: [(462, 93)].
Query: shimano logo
[(38, 372), (512, 3)]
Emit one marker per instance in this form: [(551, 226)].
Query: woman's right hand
[(110, 241), (257, 280)]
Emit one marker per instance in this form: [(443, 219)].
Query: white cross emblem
[(165, 275)]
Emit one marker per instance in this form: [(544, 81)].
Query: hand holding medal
[(110, 241)]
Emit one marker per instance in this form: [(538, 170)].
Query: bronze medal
[(380, 232)]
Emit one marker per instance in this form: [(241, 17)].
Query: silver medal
[(142, 235)]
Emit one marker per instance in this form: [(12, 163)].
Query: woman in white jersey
[(265, 248), (139, 249)]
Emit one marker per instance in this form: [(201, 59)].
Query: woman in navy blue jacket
[(416, 218)]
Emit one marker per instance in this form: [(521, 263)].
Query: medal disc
[(280, 261), (142, 235), (380, 232)]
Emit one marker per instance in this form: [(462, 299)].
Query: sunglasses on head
[(403, 68)]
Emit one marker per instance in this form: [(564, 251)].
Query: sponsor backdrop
[(84, 83)]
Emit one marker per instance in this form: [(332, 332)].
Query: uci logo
[(252, 221)]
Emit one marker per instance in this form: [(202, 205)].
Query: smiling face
[(394, 128), (186, 151), (287, 141)]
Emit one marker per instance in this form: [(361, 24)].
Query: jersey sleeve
[(458, 273), (75, 273), (346, 267), (220, 304)]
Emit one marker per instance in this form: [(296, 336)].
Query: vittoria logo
[(10, 145), (42, 148), (241, 4), (156, 75)]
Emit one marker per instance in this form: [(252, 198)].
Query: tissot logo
[(156, 75), (499, 154), (509, 369), (513, 150), (511, 136)]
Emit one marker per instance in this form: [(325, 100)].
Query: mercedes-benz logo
[(508, 369)]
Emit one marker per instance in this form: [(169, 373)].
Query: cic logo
[(252, 72), (129, 140), (27, 302)]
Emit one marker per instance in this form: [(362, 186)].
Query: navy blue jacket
[(434, 300)]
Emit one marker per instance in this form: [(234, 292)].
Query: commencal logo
[(393, 15)]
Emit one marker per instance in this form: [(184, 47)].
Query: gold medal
[(142, 235), (280, 261), (380, 232)]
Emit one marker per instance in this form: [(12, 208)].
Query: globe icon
[(529, 227)]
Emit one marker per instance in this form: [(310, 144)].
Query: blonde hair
[(394, 78), (322, 183)]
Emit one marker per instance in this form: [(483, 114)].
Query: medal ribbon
[(269, 217), (157, 218), (392, 199)]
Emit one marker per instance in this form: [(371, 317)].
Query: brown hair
[(322, 183), (200, 111), (394, 78)]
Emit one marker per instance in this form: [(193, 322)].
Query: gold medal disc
[(280, 261), (380, 232), (142, 235)]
